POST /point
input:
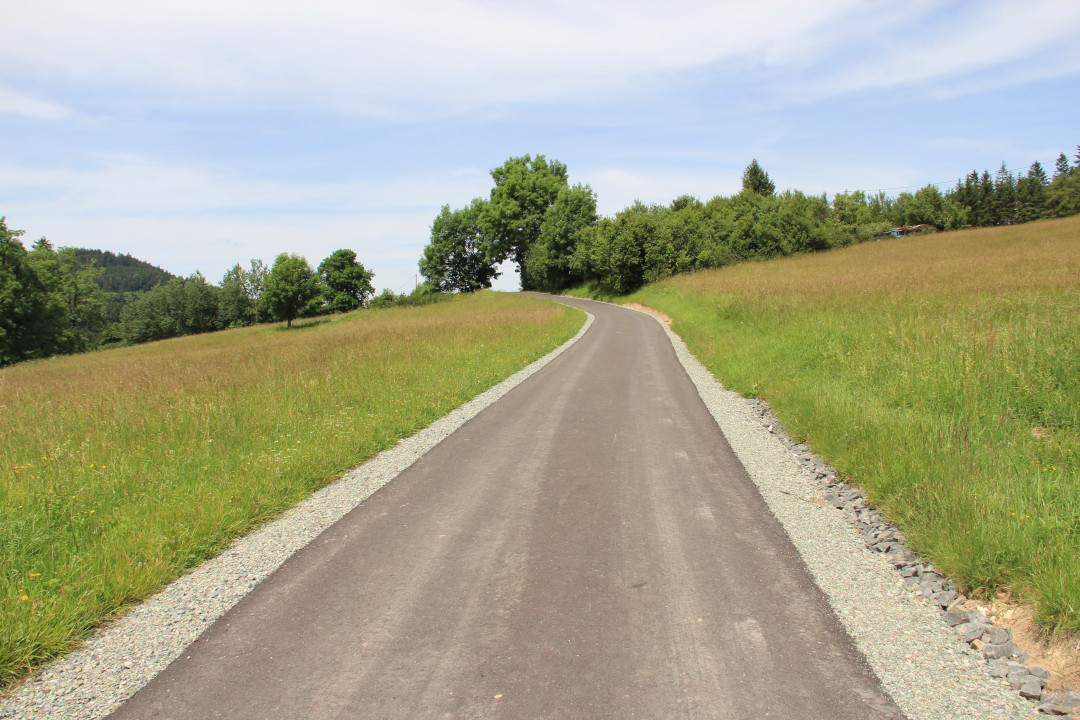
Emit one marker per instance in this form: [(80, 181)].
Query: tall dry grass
[(121, 469)]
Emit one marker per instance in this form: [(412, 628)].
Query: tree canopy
[(459, 257), (49, 302), (290, 288), (467, 244), (549, 263), (525, 189), (346, 284)]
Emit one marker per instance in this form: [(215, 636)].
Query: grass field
[(940, 373), (121, 469)]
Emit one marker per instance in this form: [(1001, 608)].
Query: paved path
[(587, 547)]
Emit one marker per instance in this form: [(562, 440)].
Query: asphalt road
[(587, 547)]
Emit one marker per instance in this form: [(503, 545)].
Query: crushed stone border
[(967, 618), (124, 655)]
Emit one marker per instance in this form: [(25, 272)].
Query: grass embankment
[(121, 469), (940, 373)]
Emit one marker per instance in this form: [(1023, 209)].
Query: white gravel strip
[(123, 656), (922, 665)]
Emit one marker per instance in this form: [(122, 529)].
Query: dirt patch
[(1059, 654), (649, 311)]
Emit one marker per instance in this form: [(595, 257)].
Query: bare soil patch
[(1059, 654), (648, 311)]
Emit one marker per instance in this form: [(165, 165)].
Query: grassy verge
[(940, 373), (121, 469)]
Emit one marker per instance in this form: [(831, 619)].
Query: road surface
[(587, 547)]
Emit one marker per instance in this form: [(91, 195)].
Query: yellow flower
[(35, 574), (24, 598)]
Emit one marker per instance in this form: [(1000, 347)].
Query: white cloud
[(16, 103), (916, 46), (135, 186), (388, 57), (441, 57)]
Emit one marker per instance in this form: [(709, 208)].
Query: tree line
[(54, 301), (551, 229), (69, 300)]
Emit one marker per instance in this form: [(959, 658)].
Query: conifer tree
[(1031, 193), (988, 214), (1061, 167), (756, 180), (1005, 196)]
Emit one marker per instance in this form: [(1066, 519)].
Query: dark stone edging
[(1004, 659)]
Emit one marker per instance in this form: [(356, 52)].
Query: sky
[(195, 134)]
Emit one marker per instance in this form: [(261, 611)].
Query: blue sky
[(198, 134)]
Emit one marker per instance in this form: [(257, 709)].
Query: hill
[(123, 273)]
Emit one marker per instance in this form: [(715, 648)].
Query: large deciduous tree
[(549, 262), (289, 288), (459, 257), (346, 284), (467, 244), (525, 188)]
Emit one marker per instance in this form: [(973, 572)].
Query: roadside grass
[(121, 469), (940, 373)]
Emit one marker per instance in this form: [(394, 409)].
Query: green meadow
[(121, 469), (940, 373)]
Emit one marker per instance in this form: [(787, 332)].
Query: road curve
[(587, 547)]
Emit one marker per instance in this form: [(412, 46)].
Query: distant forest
[(67, 300), (122, 273)]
